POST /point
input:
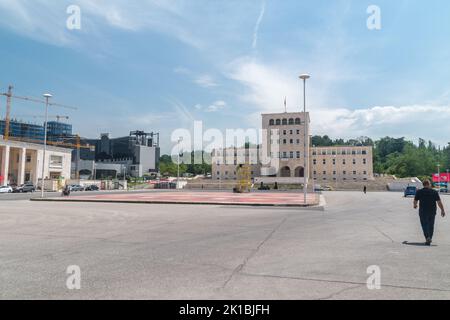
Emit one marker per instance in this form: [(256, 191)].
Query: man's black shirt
[(427, 198)]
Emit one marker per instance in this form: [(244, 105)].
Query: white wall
[(66, 163)]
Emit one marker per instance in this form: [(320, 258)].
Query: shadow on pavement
[(418, 244)]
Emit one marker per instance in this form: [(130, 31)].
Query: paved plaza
[(292, 199), (158, 251)]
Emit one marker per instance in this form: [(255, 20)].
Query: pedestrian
[(365, 189), (426, 199)]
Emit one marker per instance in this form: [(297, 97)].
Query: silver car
[(6, 189)]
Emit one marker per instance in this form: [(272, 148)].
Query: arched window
[(285, 122), (271, 122), (285, 172), (291, 121), (298, 121), (278, 122)]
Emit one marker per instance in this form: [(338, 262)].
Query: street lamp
[(305, 77), (336, 167), (446, 179), (180, 139), (47, 96), (439, 176)]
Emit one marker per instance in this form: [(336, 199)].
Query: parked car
[(410, 191), (76, 187), (92, 187), (319, 188), (25, 188), (6, 189)]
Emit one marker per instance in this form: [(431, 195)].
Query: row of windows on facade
[(345, 179), (285, 141), (297, 155), (344, 162), (285, 132), (343, 173), (54, 160), (230, 154), (284, 122), (226, 173), (338, 152), (285, 155)]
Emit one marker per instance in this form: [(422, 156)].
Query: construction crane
[(58, 118), (9, 96)]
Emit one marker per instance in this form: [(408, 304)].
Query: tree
[(168, 167)]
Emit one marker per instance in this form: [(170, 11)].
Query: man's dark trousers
[(427, 220)]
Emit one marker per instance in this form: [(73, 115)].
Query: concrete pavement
[(214, 252)]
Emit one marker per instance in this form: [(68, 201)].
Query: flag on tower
[(285, 104)]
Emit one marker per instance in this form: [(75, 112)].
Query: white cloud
[(205, 81), (44, 20), (214, 107), (258, 24), (425, 121), (266, 86), (202, 80)]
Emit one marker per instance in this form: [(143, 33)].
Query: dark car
[(25, 188), (410, 191), (92, 188)]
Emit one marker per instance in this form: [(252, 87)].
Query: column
[(5, 165), (22, 162)]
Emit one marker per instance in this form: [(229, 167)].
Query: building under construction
[(56, 131)]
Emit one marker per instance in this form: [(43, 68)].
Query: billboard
[(443, 177)]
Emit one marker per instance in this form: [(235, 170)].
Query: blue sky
[(159, 65)]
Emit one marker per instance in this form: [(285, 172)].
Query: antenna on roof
[(285, 104)]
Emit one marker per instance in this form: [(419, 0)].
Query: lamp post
[(313, 174), (336, 167), (305, 77), (446, 180), (180, 139), (47, 96), (439, 176)]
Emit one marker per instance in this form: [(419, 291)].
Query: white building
[(21, 162), (286, 141)]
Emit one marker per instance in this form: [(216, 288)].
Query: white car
[(6, 189)]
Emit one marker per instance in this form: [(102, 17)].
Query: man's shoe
[(428, 243)]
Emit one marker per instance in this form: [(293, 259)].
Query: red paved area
[(220, 198)]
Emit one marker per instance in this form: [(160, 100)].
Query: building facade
[(288, 148), (21, 162), (136, 155), (288, 142), (341, 163), (225, 162)]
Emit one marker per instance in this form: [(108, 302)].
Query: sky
[(159, 65)]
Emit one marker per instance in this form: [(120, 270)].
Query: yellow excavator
[(244, 179)]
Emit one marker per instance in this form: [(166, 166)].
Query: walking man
[(427, 198)]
